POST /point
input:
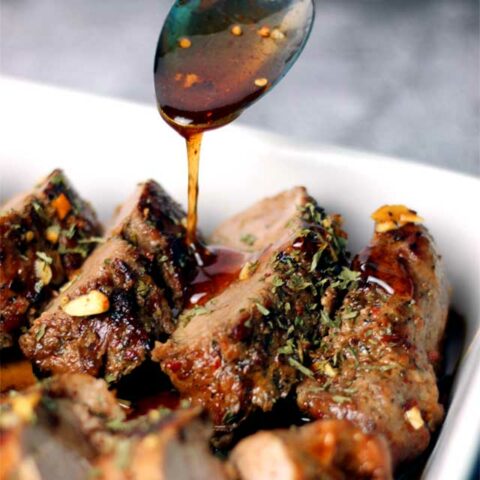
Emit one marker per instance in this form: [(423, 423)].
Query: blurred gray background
[(399, 77)]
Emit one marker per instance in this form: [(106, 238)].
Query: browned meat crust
[(141, 271), (327, 450), (155, 224), (245, 348), (111, 343), (376, 365), (45, 236)]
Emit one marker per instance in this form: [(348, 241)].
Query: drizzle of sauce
[(217, 268), (194, 143), (387, 271), (213, 60)]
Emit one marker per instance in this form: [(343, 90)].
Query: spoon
[(216, 57)]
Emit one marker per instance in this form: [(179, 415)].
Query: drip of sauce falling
[(194, 143)]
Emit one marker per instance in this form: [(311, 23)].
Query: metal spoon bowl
[(216, 57)]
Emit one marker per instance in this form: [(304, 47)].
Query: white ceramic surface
[(106, 146)]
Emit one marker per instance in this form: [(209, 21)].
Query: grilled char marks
[(247, 347), (376, 365), (110, 343), (328, 449), (45, 236), (154, 223)]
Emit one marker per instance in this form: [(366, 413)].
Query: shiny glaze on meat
[(34, 227), (376, 365)]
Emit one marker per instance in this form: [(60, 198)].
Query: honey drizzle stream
[(194, 143)]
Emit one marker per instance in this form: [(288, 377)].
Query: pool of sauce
[(217, 268)]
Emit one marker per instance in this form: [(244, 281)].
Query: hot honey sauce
[(214, 59)]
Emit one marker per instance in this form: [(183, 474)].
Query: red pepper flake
[(62, 206)]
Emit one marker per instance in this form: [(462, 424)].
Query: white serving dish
[(106, 146)]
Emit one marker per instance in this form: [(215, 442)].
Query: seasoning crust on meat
[(45, 236), (245, 348), (284, 318), (128, 294), (376, 366)]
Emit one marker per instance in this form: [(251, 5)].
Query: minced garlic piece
[(247, 270), (414, 418), (391, 217), (325, 368), (24, 405), (264, 32), (52, 233), (277, 34), (43, 271), (261, 82), (92, 303), (237, 30)]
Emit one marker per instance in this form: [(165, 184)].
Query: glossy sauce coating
[(218, 268)]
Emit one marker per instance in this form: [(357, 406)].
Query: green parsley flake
[(248, 239), (41, 332), (261, 308), (340, 399), (301, 368)]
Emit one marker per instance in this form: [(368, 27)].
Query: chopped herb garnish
[(349, 315), (117, 425), (261, 308), (92, 240), (38, 286), (301, 368), (347, 278), (143, 288), (316, 259), (248, 239), (71, 231), (41, 332), (340, 399), (277, 281)]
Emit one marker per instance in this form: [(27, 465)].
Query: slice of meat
[(45, 236), (71, 427), (327, 450), (155, 224), (246, 347), (141, 269), (259, 226), (112, 340), (376, 365), (173, 447), (56, 429)]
